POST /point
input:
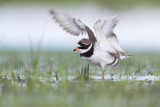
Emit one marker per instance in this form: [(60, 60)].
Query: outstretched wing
[(106, 38), (71, 25)]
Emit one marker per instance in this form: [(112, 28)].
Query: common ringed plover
[(103, 49)]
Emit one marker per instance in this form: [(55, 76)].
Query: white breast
[(100, 58)]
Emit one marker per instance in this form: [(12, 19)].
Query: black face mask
[(83, 46)]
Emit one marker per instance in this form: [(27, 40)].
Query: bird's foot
[(102, 74)]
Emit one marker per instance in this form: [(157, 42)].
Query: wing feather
[(71, 25), (106, 38)]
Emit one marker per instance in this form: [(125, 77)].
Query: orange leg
[(102, 73)]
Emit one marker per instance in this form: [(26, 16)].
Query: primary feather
[(72, 25)]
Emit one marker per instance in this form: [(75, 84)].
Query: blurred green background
[(108, 3)]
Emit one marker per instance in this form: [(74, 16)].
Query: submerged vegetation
[(59, 79)]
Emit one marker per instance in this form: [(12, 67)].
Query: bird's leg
[(87, 71), (102, 73), (88, 68)]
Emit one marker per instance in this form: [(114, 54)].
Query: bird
[(102, 48)]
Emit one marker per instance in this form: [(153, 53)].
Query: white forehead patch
[(78, 45)]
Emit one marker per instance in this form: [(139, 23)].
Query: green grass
[(113, 4), (31, 79)]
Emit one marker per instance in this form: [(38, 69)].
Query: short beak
[(76, 49)]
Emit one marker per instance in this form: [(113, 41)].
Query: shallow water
[(53, 81)]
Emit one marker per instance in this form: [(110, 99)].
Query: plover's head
[(83, 46)]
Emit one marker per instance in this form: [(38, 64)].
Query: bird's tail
[(126, 56)]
